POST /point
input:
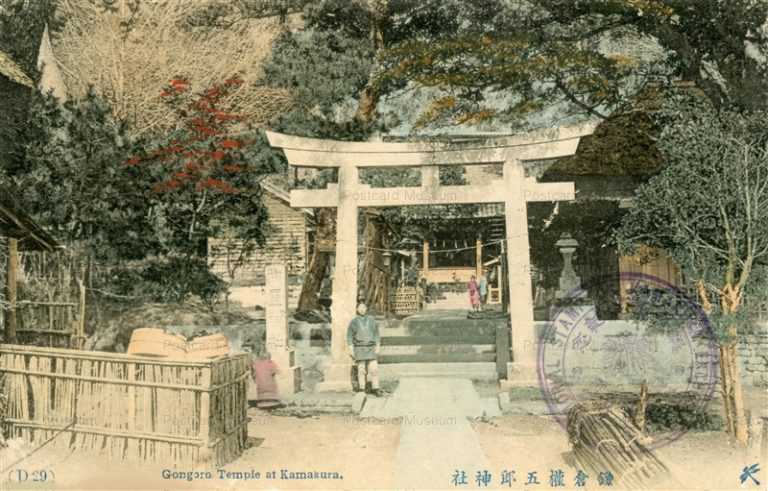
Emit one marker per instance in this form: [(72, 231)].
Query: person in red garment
[(474, 293), (263, 371)]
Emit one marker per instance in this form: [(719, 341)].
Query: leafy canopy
[(73, 180), (530, 55), (205, 175), (708, 207)]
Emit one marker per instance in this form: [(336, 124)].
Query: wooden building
[(289, 240)]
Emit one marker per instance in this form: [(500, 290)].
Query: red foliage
[(217, 185), (222, 116), (229, 143), (133, 161), (208, 124)]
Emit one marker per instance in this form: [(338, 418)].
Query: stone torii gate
[(514, 189)]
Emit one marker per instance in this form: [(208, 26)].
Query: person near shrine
[(474, 293), (363, 344), (263, 371), (483, 289)]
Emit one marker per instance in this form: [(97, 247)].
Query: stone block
[(358, 402), (504, 402)]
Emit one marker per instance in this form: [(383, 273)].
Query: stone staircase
[(449, 301), (439, 343)]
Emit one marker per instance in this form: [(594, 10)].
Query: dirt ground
[(697, 460), (363, 453)]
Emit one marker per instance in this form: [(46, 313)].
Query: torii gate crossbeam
[(514, 189)]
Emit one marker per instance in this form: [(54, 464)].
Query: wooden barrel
[(206, 347), (157, 343)]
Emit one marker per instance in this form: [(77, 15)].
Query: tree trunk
[(313, 278), (730, 380), (642, 404), (725, 388), (374, 281), (366, 108), (739, 420), (733, 397)]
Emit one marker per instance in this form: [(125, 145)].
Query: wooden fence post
[(205, 407), (12, 274), (78, 336), (132, 396)]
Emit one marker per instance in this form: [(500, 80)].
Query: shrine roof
[(11, 70), (16, 224)]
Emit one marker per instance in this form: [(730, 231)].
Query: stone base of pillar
[(336, 378), (289, 381), (520, 375), (289, 374)]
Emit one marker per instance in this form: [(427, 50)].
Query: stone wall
[(753, 357), (622, 353)]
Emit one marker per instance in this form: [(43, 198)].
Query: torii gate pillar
[(344, 286), (522, 370)]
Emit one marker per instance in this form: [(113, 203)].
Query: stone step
[(403, 339), (432, 349), (438, 358), (476, 371)]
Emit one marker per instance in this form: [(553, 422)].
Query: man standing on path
[(363, 343)]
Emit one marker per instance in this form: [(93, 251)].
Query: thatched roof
[(11, 70), (16, 224), (620, 146), (625, 144)]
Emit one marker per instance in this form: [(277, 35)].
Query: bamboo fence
[(127, 407)]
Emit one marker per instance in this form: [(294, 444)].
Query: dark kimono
[(363, 336)]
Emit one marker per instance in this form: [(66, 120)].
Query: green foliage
[(352, 19), (678, 411), (403, 20), (662, 310), (75, 182), (21, 27), (528, 56), (225, 13), (204, 176), (324, 69), (172, 279), (708, 206), (667, 416)]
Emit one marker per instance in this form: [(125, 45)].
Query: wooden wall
[(286, 242), (652, 262)]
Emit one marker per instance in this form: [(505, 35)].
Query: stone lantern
[(570, 283)]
